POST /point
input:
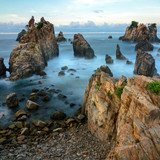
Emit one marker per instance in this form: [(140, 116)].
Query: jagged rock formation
[(108, 59), (20, 35), (137, 33), (144, 46), (36, 47), (145, 64), (60, 37), (130, 123), (119, 55), (2, 68), (82, 48)]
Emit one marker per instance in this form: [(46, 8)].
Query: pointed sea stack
[(82, 48), (36, 47), (60, 37), (119, 55)]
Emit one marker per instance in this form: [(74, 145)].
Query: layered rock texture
[(2, 68), (82, 48), (130, 121), (36, 47), (145, 64), (141, 32), (144, 45), (119, 55), (20, 35), (60, 37)]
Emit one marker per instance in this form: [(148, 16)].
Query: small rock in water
[(62, 96), (71, 70), (129, 62), (58, 115), (32, 105), (12, 100), (64, 68), (45, 98), (40, 82), (61, 73), (72, 105), (158, 54)]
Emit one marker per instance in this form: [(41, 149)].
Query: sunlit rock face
[(141, 33), (36, 47), (130, 122)]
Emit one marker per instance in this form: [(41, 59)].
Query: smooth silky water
[(70, 85)]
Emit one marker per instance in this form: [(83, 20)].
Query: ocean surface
[(69, 85)]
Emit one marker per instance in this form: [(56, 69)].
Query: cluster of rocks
[(36, 47), (82, 48), (65, 68), (60, 37), (124, 114)]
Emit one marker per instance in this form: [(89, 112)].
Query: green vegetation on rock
[(133, 24), (16, 55), (109, 94), (25, 54), (39, 25), (154, 87), (98, 85), (119, 90)]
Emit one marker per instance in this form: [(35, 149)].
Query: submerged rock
[(37, 46), (109, 37), (129, 62), (144, 46), (145, 64), (2, 68), (64, 68), (141, 32), (60, 37), (82, 48), (12, 100), (119, 55), (130, 123), (61, 73), (58, 115), (108, 59), (21, 34)]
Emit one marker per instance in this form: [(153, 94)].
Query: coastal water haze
[(73, 86)]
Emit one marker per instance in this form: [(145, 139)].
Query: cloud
[(98, 11)]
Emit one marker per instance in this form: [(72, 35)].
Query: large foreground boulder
[(145, 64), (2, 68), (20, 35), (36, 47), (60, 37), (125, 115), (119, 55), (141, 32), (12, 100), (82, 48), (144, 45)]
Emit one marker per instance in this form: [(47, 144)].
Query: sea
[(72, 85)]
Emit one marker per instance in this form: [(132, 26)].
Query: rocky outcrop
[(144, 46), (20, 35), (60, 37), (12, 100), (119, 55), (2, 68), (36, 47), (82, 48), (142, 32), (145, 64), (110, 37), (129, 122), (108, 59)]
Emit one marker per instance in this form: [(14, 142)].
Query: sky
[(73, 12)]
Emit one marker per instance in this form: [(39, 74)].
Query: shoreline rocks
[(119, 55), (12, 100), (82, 48), (36, 47), (140, 32), (124, 114), (145, 64)]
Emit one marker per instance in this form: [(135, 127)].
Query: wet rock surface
[(119, 55), (108, 59), (145, 64), (12, 100), (82, 48)]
